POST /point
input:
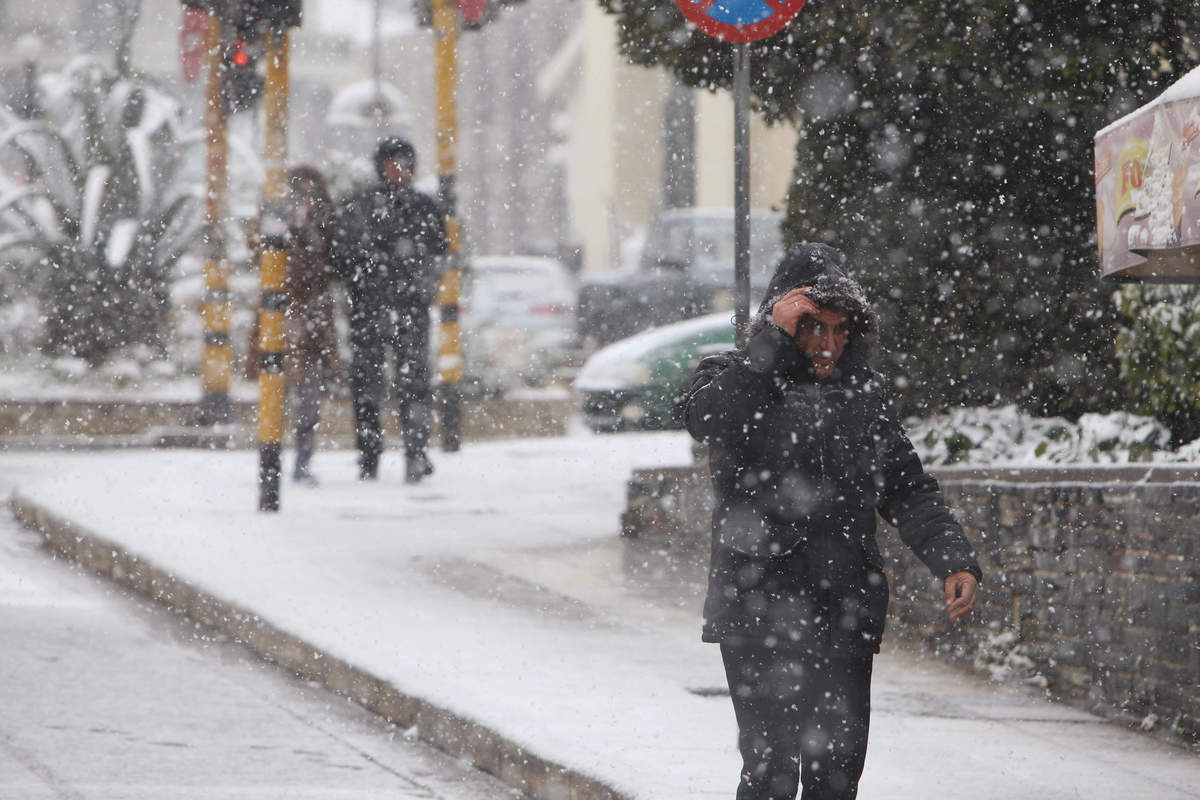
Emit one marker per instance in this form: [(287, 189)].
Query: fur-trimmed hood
[(824, 268)]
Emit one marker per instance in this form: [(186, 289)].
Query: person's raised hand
[(961, 589), (788, 310)]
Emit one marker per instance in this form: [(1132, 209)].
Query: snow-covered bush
[(93, 213), (1007, 436), (1007, 661), (1159, 353)]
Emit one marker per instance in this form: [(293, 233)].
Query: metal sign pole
[(739, 22), (741, 189)]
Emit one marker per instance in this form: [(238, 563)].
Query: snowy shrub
[(20, 325), (92, 208), (68, 369), (983, 436), (1007, 661), (1159, 352)]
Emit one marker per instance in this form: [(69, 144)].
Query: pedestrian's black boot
[(416, 467)]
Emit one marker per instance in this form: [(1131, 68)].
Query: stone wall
[(1090, 579)]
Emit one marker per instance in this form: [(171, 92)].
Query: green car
[(637, 383)]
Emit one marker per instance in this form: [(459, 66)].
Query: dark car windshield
[(705, 246)]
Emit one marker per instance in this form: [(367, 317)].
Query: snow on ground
[(366, 572), (495, 590)]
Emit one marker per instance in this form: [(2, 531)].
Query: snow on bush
[(1006, 661), (94, 213), (983, 436)]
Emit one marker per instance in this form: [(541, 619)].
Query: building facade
[(564, 148)]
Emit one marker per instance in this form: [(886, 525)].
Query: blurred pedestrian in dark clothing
[(805, 449), (387, 241), (310, 350)]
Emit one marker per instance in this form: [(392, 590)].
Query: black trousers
[(408, 340), (802, 721)]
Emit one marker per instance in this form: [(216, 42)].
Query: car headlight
[(632, 412), (612, 375)]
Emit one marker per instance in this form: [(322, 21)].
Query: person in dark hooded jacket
[(805, 449), (386, 242)]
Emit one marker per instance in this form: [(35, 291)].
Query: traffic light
[(243, 25), (241, 84), (258, 14), (472, 14), (244, 14)]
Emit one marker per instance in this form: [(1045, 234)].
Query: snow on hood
[(825, 269)]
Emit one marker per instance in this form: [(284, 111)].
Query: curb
[(484, 748)]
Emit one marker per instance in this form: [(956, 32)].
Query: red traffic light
[(240, 57), (241, 85), (472, 12)]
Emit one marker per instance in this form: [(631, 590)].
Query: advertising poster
[(1148, 192)]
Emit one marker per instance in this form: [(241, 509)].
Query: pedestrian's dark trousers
[(407, 336), (367, 365), (305, 398), (802, 721)]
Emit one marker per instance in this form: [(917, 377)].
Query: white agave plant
[(94, 207)]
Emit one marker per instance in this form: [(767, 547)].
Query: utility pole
[(217, 369), (445, 30), (273, 270)]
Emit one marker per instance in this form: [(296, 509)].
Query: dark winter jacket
[(310, 341), (384, 249), (800, 469)]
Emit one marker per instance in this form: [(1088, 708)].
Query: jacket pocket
[(861, 615)]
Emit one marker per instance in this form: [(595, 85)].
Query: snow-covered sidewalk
[(500, 591)]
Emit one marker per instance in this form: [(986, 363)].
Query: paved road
[(104, 696)]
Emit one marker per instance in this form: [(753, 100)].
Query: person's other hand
[(961, 589), (788, 310)]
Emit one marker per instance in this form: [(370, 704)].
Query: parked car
[(685, 271), (637, 383), (517, 319)]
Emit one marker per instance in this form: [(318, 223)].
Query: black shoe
[(416, 467)]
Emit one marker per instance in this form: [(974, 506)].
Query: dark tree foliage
[(1159, 352), (948, 146)]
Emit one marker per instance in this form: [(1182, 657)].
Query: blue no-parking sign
[(740, 20)]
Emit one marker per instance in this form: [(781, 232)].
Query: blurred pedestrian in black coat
[(805, 450), (387, 241)]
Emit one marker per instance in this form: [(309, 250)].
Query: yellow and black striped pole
[(450, 363), (273, 271), (217, 366)]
